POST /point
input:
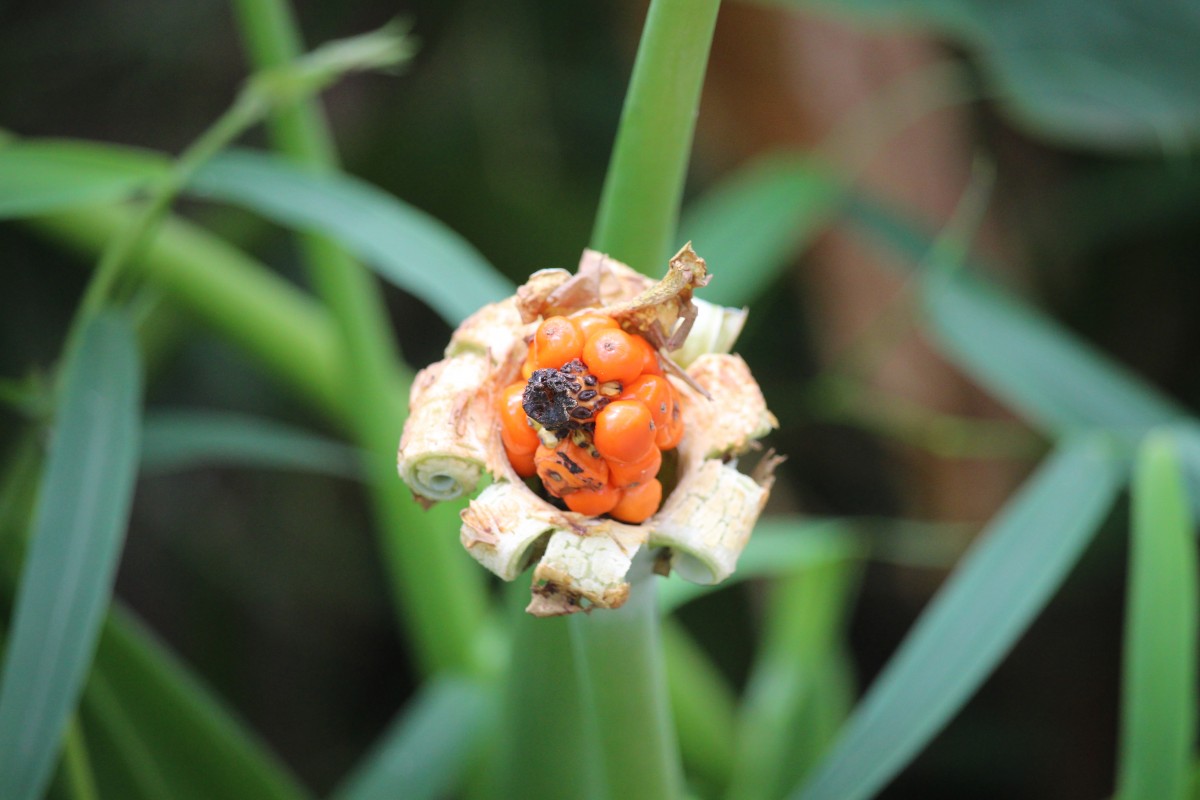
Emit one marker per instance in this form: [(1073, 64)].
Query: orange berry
[(589, 323), (669, 435), (656, 393), (612, 355), (625, 475), (568, 468), (593, 502), (514, 425), (556, 342), (624, 431), (521, 462), (638, 503), (650, 365)]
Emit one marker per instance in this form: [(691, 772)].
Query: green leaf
[(171, 729), (78, 527), (780, 735), (176, 440), (427, 750), (1006, 578), (1049, 376), (44, 176), (1054, 379), (1104, 73), (783, 198), (780, 546), (702, 705), (1186, 436), (1158, 719), (404, 245)]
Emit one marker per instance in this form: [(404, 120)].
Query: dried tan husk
[(452, 438)]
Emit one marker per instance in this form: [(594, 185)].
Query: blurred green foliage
[(483, 161)]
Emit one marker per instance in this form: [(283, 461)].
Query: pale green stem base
[(620, 665)]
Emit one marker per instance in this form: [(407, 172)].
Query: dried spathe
[(523, 366)]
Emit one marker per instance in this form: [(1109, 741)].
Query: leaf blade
[(1003, 581), (779, 546), (403, 244), (426, 750), (1050, 376), (784, 198), (1158, 718), (176, 440), (78, 529), (198, 747), (45, 176)]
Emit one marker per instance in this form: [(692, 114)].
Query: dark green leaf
[(427, 750), (41, 177), (406, 246), (78, 527), (171, 729), (1048, 375), (1107, 73), (1158, 720), (779, 546), (783, 199), (1006, 578), (175, 440), (783, 727), (1186, 436), (702, 705), (1057, 381)]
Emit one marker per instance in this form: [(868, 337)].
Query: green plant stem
[(547, 746), (145, 222), (437, 591), (619, 652), (619, 656), (639, 207)]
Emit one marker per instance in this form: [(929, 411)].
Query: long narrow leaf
[(406, 246), (175, 440), (1186, 437), (125, 766), (779, 546), (42, 177), (425, 753), (1158, 720), (78, 529), (1003, 582), (1057, 381), (802, 632), (783, 198), (1047, 374), (195, 746)]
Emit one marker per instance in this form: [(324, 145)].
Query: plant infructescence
[(621, 703)]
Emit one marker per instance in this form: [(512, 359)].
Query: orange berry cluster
[(591, 417)]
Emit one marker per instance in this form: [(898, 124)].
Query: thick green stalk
[(619, 657), (619, 652), (545, 748), (639, 207), (439, 593)]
